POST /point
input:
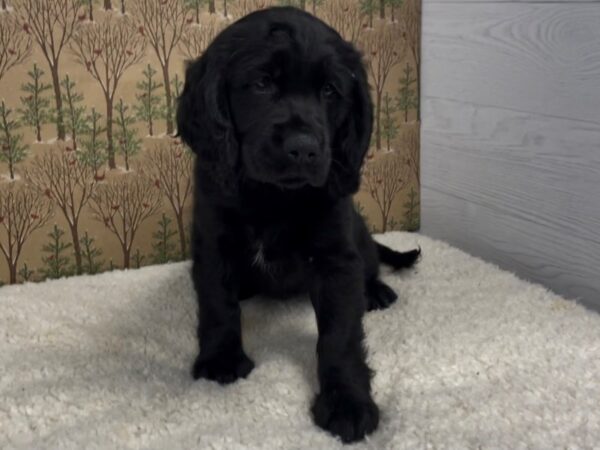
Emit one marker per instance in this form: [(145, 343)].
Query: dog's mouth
[(267, 166), (297, 181), (293, 182)]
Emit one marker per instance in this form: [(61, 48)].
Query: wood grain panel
[(518, 189), (570, 2), (540, 58), (512, 244), (510, 152)]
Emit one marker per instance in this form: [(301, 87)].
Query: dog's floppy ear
[(203, 118), (353, 136)]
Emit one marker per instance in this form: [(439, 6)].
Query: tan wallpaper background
[(78, 195)]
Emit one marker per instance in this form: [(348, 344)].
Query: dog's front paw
[(223, 368), (345, 415)]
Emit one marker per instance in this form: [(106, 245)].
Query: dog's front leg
[(215, 274), (344, 405)]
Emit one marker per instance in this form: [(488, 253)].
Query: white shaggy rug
[(471, 357)]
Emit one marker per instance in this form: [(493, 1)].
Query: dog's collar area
[(260, 261)]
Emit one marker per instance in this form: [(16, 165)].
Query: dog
[(279, 115)]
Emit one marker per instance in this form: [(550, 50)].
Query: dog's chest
[(259, 259), (275, 256)]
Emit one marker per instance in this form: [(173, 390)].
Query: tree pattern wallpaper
[(91, 175)]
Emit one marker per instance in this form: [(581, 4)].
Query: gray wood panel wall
[(510, 152)]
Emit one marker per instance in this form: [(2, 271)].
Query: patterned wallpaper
[(91, 177)]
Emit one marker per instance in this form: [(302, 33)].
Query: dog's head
[(280, 98)]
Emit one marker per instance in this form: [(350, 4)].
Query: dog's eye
[(264, 85), (328, 91)]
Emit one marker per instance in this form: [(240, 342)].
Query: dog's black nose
[(302, 148)]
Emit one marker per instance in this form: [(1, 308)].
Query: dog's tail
[(398, 260)]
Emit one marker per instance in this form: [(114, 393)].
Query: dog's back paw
[(379, 295)]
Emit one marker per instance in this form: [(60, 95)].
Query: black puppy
[(278, 113)]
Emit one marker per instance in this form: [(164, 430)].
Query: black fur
[(279, 115), (397, 260)]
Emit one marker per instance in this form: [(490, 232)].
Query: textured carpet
[(470, 357)]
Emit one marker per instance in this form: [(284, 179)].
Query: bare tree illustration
[(411, 19), (12, 150), (170, 165), (51, 23), (383, 179), (346, 17), (163, 23), (123, 204), (70, 184), (22, 211), (15, 43), (106, 49), (382, 52), (195, 39)]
